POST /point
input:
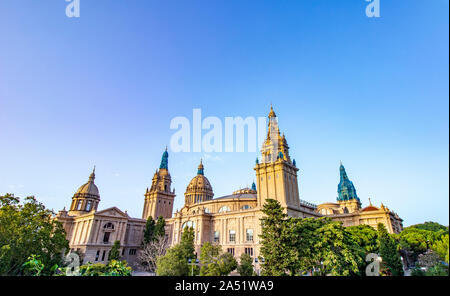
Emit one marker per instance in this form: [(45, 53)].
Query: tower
[(86, 199), (276, 175), (159, 197), (347, 198)]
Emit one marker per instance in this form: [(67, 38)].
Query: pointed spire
[(346, 189), (200, 170), (253, 186), (92, 176), (165, 160), (272, 113)]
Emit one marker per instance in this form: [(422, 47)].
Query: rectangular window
[(89, 206), (231, 251), (216, 236), (103, 256), (132, 252), (123, 251), (97, 255), (249, 251), (106, 237), (249, 235), (232, 236)]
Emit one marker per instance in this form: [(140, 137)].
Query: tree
[(115, 251), (175, 261), (272, 248), (227, 263), (339, 254), (159, 227), (209, 256), (441, 247), (29, 229), (416, 241), (152, 251), (365, 236), (391, 262), (149, 231), (431, 226), (245, 267), (299, 236)]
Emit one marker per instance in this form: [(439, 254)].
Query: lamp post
[(192, 263), (257, 263)]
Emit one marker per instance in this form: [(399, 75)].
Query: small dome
[(199, 189), (199, 183), (89, 188), (370, 209)]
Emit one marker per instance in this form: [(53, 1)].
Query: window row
[(232, 236)]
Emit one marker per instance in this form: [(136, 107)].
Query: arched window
[(246, 207), (224, 209), (80, 202), (207, 211), (108, 225), (188, 224)]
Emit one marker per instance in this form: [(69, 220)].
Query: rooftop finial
[(272, 113), (200, 170), (92, 176), (370, 201)]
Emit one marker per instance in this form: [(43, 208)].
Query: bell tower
[(276, 174), (159, 197)]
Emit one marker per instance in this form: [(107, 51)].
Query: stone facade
[(232, 221)]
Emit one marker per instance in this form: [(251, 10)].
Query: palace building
[(232, 221)]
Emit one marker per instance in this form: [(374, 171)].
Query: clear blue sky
[(101, 90)]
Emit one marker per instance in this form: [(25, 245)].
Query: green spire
[(165, 160), (346, 189)]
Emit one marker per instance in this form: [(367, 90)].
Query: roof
[(370, 208), (237, 196)]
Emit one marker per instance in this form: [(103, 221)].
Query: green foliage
[(339, 254), (441, 247), (149, 231), (33, 266), (391, 264), (28, 229), (292, 246), (227, 263), (113, 268), (214, 262), (175, 262), (159, 227), (209, 256), (417, 272), (245, 267), (431, 226), (115, 251), (272, 248), (437, 270), (365, 236)]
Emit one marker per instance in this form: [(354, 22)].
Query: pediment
[(112, 212)]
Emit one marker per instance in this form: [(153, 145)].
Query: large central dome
[(88, 189), (199, 189)]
